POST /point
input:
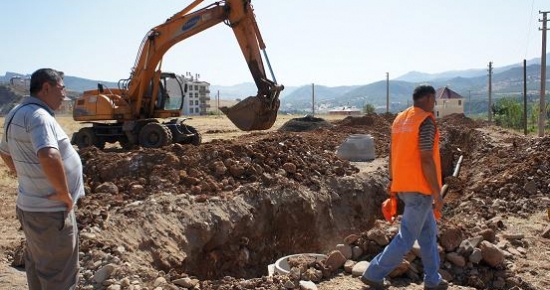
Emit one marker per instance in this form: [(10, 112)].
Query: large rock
[(352, 238), (468, 245), (491, 254), (107, 187), (186, 282), (488, 235), (456, 259), (476, 256), (335, 260), (19, 255), (378, 235), (451, 238), (104, 273), (345, 250), (400, 270), (307, 285), (359, 268)]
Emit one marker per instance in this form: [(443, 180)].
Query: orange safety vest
[(406, 165)]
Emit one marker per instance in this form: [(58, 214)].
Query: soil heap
[(262, 195)]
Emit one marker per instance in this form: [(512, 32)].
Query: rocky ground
[(215, 216)]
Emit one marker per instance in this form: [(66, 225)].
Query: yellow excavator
[(129, 114)]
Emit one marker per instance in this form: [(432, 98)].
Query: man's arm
[(51, 161), (427, 143), (9, 162), (428, 167)]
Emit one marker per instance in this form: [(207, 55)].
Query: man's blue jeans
[(417, 223)]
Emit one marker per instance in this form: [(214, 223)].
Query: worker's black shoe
[(443, 285), (382, 285)]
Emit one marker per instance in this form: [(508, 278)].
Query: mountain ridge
[(506, 80)]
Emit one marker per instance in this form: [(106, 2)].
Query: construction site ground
[(217, 215)]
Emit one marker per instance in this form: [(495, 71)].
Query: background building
[(345, 110), (448, 102), (197, 99)]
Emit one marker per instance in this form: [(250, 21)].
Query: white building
[(448, 102), (197, 99), (345, 110)]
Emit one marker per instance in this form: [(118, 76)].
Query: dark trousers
[(51, 257)]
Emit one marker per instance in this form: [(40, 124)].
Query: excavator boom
[(254, 113), (132, 110)]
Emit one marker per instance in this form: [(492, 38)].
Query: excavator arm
[(254, 113)]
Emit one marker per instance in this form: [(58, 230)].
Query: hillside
[(9, 96), (72, 83), (415, 76), (472, 83), (507, 82)]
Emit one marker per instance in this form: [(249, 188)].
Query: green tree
[(508, 113), (369, 109), (534, 116)]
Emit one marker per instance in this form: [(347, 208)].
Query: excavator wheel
[(155, 135), (195, 140), (85, 137)]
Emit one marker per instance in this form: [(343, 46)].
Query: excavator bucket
[(253, 113)]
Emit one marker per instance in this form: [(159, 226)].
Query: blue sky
[(347, 42)]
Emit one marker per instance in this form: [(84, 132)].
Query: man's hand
[(438, 202), (9, 162), (63, 197), (50, 159)]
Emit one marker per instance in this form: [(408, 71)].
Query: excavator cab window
[(170, 94)]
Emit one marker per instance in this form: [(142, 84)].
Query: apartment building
[(197, 99)]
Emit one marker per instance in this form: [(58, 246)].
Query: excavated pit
[(237, 235), (229, 208)]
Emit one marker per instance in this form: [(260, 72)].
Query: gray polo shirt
[(32, 128)]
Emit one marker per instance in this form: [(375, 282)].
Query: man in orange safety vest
[(415, 174)]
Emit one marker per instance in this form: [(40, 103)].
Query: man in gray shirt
[(49, 172)]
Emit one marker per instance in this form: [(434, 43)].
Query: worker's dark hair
[(39, 77), (422, 90)]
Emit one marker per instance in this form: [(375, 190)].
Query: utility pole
[(469, 102), (490, 105), (312, 99), (218, 103), (542, 106), (387, 92), (525, 97)]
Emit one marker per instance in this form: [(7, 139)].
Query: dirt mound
[(514, 174), (365, 120), (186, 215), (459, 120), (307, 123), (216, 166)]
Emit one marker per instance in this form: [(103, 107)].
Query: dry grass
[(536, 266), (203, 124)]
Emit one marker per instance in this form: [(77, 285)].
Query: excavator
[(130, 113)]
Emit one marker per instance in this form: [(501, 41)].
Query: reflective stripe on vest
[(407, 173)]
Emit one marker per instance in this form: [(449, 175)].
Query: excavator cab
[(170, 94)]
